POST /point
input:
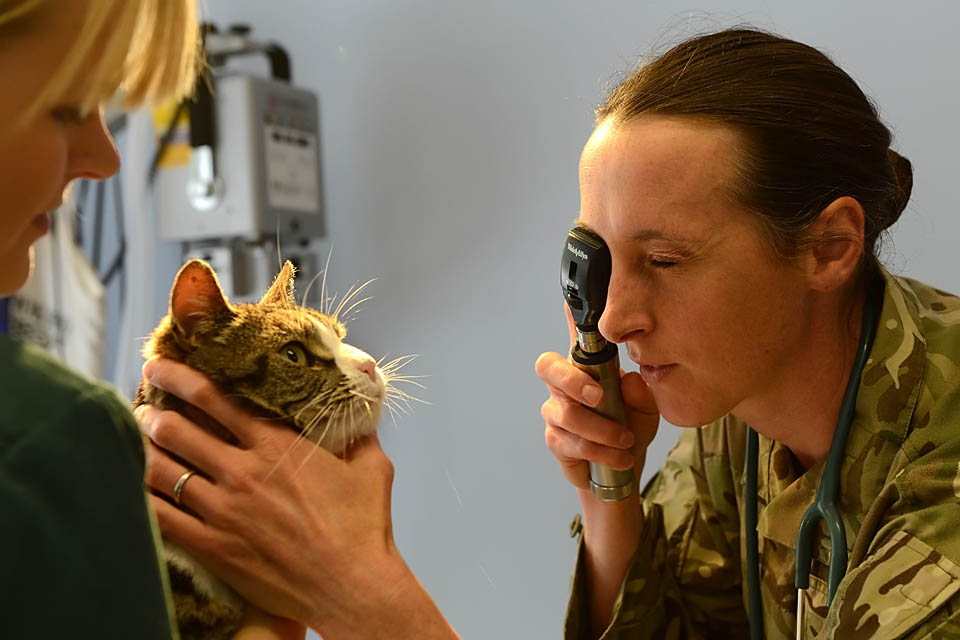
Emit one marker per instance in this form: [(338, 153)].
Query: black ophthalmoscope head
[(584, 277)]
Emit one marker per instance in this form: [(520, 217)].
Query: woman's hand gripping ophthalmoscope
[(585, 269)]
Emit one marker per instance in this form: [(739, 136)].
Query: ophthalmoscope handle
[(603, 366)]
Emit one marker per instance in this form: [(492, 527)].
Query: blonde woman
[(78, 549)]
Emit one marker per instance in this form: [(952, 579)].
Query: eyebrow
[(637, 236)]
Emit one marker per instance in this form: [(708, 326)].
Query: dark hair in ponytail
[(809, 133)]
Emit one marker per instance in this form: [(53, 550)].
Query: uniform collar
[(888, 393)]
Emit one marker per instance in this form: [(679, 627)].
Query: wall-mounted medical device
[(239, 167)]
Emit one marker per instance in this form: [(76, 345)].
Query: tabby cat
[(287, 362)]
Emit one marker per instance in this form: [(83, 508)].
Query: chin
[(686, 416)]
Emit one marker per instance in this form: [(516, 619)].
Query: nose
[(627, 310), (93, 153), (369, 367)]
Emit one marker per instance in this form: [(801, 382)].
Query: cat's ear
[(281, 291), (197, 300)]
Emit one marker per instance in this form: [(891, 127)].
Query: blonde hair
[(146, 49)]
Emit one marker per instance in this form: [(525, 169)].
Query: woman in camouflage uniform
[(741, 181)]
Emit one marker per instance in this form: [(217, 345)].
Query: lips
[(653, 374)]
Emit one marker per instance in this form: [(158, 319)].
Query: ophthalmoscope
[(584, 277)]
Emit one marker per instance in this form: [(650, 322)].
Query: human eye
[(662, 262)]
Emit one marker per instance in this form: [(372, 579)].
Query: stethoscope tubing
[(824, 505)]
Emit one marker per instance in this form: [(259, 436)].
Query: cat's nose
[(369, 367)]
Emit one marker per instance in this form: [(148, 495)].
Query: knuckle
[(203, 394), (560, 442), (584, 449), (152, 475), (207, 543), (571, 380), (164, 425), (387, 470), (546, 410), (243, 481), (551, 438)]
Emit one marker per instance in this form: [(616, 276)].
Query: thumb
[(366, 450), (636, 394), (642, 414)]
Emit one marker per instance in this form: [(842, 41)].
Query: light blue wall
[(451, 135)]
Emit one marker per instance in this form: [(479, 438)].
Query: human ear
[(836, 244)]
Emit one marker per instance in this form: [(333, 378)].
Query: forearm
[(258, 625), (611, 533), (395, 605)]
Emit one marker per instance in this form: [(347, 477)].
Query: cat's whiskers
[(397, 363), (336, 407), (396, 400), (317, 399), (330, 407), (352, 293), (317, 442), (393, 415), (394, 392), (304, 433), (323, 284), (394, 409), (346, 317), (306, 293), (406, 379)]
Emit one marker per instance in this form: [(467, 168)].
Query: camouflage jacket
[(900, 503)]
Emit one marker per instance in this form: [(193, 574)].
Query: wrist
[(611, 530), (394, 604), (611, 536)]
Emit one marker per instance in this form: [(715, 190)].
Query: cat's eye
[(294, 352)]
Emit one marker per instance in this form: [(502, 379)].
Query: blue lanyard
[(4, 322), (825, 504)]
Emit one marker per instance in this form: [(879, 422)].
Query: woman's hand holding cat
[(293, 529), (576, 435)]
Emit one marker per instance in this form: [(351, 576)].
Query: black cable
[(279, 61), (164, 141)]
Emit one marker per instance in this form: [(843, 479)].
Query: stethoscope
[(824, 505)]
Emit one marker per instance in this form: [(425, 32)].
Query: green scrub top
[(78, 546)]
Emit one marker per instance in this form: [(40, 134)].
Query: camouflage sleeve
[(904, 589), (684, 581)]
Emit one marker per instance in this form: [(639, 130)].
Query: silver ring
[(178, 488)]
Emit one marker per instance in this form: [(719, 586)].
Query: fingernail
[(591, 394), (626, 439), (147, 368)]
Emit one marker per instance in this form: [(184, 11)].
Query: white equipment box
[(268, 160)]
